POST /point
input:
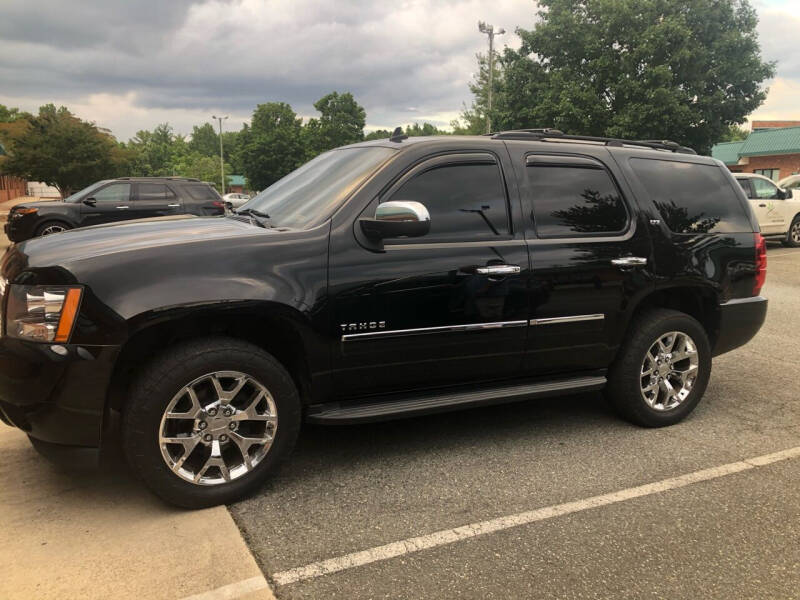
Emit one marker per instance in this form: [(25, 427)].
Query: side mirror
[(397, 218), (785, 194), (90, 202)]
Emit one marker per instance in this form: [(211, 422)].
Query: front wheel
[(793, 235), (662, 370), (51, 227), (208, 420)]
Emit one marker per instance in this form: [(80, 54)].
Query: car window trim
[(434, 161), (579, 161)]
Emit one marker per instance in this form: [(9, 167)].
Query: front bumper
[(739, 321), (54, 398)]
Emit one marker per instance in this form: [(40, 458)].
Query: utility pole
[(489, 31), (221, 158)]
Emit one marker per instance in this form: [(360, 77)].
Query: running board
[(393, 407)]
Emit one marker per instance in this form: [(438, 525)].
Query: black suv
[(385, 279), (114, 200)]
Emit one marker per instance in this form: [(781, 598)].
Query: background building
[(771, 149)]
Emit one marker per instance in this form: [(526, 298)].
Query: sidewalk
[(99, 534)]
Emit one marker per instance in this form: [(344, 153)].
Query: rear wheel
[(793, 235), (51, 227), (208, 420), (662, 370)]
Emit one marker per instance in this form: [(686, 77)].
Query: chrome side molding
[(570, 319), (350, 337)]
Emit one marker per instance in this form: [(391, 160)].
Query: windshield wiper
[(255, 215)]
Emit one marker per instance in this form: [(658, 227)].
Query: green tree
[(153, 151), (204, 168), (341, 122), (472, 120), (378, 134), (204, 140), (414, 129), (735, 133), (230, 143), (272, 146), (62, 150), (644, 69)]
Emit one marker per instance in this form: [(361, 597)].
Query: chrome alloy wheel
[(669, 370), (53, 229), (217, 428), (795, 233)]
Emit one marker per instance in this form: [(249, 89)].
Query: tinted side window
[(691, 197), (466, 201), (116, 192), (572, 200), (154, 191), (202, 192)]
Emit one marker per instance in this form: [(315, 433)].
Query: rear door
[(154, 200), (447, 308), (106, 205), (590, 256)]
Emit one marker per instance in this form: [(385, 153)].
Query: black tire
[(624, 390), (794, 232), (163, 378), (43, 228)]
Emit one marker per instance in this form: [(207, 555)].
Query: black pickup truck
[(380, 280)]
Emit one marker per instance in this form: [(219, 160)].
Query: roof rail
[(556, 135)]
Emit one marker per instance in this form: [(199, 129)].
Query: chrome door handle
[(498, 270), (629, 261), (173, 205), (123, 207)]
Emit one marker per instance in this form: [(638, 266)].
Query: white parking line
[(449, 536), (233, 590)]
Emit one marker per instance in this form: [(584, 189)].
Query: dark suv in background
[(114, 200), (386, 279)]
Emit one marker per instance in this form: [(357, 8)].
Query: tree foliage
[(273, 145), (341, 122), (61, 150), (204, 140), (643, 69)]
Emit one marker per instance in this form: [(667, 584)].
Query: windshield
[(74, 197), (314, 190)]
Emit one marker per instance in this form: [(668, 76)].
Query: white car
[(235, 200), (777, 209)]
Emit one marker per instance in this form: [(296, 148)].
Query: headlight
[(16, 213), (42, 313)]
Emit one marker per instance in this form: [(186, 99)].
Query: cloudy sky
[(129, 65)]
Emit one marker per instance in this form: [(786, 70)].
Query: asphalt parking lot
[(735, 533)]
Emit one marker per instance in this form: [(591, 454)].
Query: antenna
[(398, 135)]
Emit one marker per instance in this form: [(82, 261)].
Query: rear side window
[(571, 200), (692, 197), (202, 192), (154, 191), (466, 201)]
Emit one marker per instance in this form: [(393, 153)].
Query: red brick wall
[(773, 124), (789, 164)]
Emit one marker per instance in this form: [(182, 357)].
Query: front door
[(589, 258), (107, 205), (767, 204), (447, 308)]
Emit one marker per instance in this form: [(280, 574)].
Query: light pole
[(489, 31), (221, 158)]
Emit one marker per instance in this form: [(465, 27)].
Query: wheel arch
[(699, 302), (282, 331)]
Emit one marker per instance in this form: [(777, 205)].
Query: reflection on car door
[(446, 308), (106, 205)]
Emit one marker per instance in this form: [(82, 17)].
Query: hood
[(39, 204), (88, 242)]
